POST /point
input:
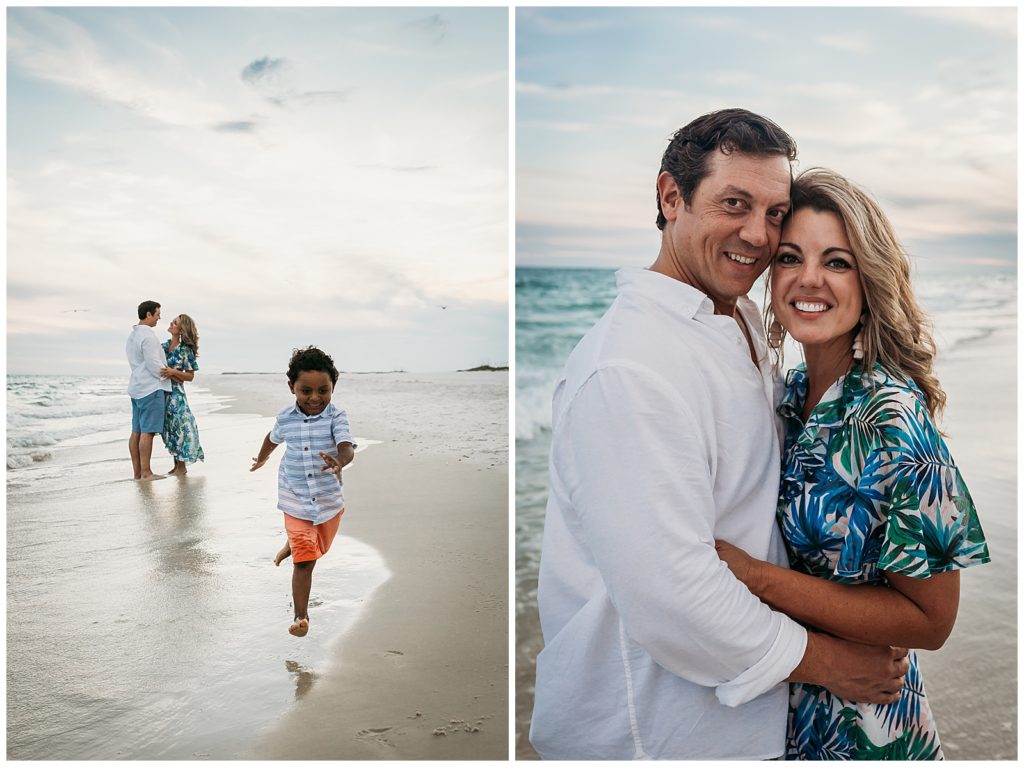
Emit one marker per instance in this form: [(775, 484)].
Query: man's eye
[(732, 202), (778, 215)]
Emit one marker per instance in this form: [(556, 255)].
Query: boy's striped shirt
[(303, 491)]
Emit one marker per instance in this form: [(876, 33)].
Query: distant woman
[(181, 435), (875, 515)]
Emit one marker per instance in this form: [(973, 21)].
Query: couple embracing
[(716, 529), (159, 405)]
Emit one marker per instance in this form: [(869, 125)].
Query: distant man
[(147, 389), (663, 439)]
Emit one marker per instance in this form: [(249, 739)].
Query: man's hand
[(256, 463), (749, 571), (331, 464), (853, 671)]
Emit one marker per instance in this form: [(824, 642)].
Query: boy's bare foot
[(299, 628), (283, 554)]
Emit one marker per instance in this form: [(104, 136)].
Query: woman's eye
[(786, 258), (839, 264)]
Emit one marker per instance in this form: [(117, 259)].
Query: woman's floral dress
[(181, 435), (868, 485)]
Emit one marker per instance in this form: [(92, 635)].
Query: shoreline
[(423, 671), (149, 622)]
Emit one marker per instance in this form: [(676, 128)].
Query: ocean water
[(48, 414), (146, 620), (555, 307)]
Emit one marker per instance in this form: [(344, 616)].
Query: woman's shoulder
[(882, 388)]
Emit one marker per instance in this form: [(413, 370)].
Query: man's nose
[(755, 232)]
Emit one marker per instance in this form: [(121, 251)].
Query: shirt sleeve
[(153, 354), (277, 433), (640, 478), (340, 428), (188, 360), (931, 525)]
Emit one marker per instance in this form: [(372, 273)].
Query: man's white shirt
[(146, 358), (663, 440)]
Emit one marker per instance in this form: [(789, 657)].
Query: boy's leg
[(283, 554), (302, 582), (133, 449)]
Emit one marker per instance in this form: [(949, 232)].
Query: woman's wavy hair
[(896, 330), (188, 333)]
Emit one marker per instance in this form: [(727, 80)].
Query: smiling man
[(664, 440)]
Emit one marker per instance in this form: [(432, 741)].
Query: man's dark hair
[(147, 307), (728, 131), (311, 358)]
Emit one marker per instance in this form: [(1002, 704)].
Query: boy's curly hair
[(311, 358)]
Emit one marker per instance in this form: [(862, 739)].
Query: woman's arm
[(178, 375), (910, 612)]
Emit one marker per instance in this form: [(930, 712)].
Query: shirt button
[(306, 420), (314, 499), (305, 448), (309, 475)]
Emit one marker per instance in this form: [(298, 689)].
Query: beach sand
[(971, 681), (423, 673), (147, 621)]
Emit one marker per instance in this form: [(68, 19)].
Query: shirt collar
[(671, 294), (848, 389), (296, 411)]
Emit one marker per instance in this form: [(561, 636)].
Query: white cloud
[(997, 21)]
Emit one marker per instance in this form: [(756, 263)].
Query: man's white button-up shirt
[(663, 440)]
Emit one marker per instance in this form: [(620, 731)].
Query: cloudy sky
[(918, 105), (284, 176)]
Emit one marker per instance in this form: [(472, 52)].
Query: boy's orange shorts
[(309, 542)]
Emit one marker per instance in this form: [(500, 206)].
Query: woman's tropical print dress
[(181, 435), (868, 485)]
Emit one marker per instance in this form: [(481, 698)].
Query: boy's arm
[(334, 465), (265, 451)]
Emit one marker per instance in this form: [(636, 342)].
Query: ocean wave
[(22, 460)]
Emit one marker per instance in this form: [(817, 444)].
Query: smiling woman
[(876, 517)]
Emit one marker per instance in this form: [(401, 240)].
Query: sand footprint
[(375, 733)]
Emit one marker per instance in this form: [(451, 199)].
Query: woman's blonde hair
[(895, 329), (187, 333)]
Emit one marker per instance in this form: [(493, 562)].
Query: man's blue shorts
[(148, 413)]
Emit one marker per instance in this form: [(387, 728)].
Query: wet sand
[(423, 674), (147, 621)]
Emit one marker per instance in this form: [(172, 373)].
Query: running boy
[(310, 498)]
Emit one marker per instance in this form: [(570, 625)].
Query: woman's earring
[(858, 340), (776, 334)]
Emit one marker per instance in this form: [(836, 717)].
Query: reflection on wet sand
[(146, 619), (304, 677)]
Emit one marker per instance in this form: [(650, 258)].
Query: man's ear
[(669, 195)]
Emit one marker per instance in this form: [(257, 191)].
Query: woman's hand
[(167, 372), (747, 570)]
